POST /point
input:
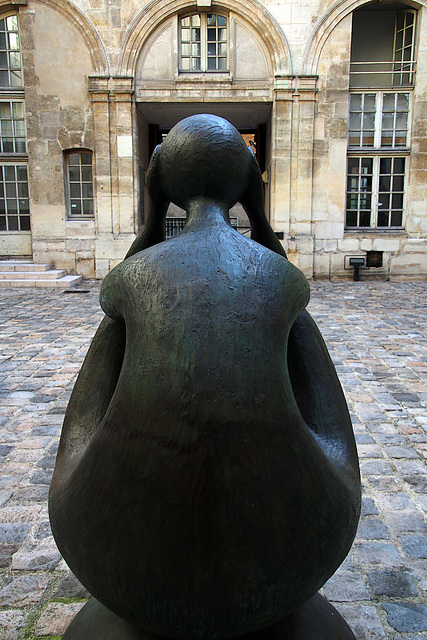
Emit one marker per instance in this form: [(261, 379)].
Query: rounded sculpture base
[(317, 619)]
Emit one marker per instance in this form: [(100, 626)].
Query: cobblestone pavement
[(377, 336)]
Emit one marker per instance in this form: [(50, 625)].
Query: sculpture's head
[(204, 156)]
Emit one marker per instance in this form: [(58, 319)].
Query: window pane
[(9, 174), (389, 101), (196, 66), (10, 190), (3, 60), (367, 165), (195, 20), (408, 37), (24, 206), (365, 219), (76, 207), (211, 49), (86, 158), (222, 35), (12, 23), (19, 128), (222, 64), (22, 173), (2, 223), (5, 110), (185, 35), (12, 206), (14, 60), (195, 34), (211, 35), (73, 158), (18, 109), (75, 190), (195, 49), (402, 101), (211, 64), (211, 20), (185, 64), (355, 102), (6, 127), (74, 174), (382, 219), (7, 144), (398, 183), (13, 223), (185, 22), (25, 223), (384, 184), (222, 21), (87, 174), (396, 219), (87, 191), (384, 201), (186, 49), (353, 165), (4, 79), (370, 101), (13, 41), (399, 165), (397, 201), (222, 49), (87, 207), (385, 165), (351, 219)]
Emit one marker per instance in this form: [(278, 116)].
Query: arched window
[(204, 42), (79, 187), (10, 54), (381, 81)]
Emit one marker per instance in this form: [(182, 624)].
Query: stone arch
[(327, 23), (84, 27), (251, 10)]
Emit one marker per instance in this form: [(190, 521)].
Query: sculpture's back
[(206, 493)]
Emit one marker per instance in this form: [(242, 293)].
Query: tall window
[(382, 74), (14, 202), (14, 198), (10, 55), (79, 184), (204, 42)]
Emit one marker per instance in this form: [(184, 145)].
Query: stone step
[(24, 273), (52, 274), (66, 282), (22, 265)]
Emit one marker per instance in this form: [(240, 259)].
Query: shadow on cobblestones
[(377, 337)]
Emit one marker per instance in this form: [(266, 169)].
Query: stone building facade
[(331, 93)]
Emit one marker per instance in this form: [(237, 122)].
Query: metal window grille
[(174, 226), (14, 200)]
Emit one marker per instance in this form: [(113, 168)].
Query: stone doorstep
[(51, 274), (23, 273), (22, 265), (67, 282)]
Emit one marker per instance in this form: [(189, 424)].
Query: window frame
[(376, 193), (10, 87), (204, 42), (377, 144), (69, 196), (22, 200)]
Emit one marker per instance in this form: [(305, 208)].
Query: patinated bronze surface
[(207, 482)]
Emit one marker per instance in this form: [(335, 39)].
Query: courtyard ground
[(377, 336)]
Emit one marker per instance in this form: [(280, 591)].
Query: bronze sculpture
[(207, 482)]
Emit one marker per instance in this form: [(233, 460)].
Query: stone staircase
[(23, 273)]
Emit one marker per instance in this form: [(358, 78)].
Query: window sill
[(378, 151), (207, 76), (376, 231), (82, 219)]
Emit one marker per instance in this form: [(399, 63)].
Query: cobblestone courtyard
[(377, 336)]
